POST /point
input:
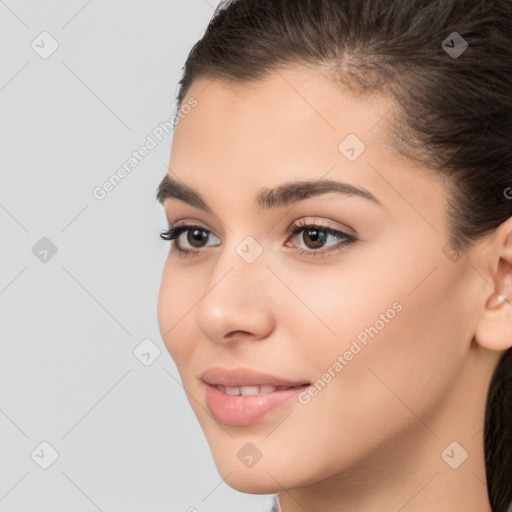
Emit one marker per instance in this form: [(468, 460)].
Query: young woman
[(338, 295)]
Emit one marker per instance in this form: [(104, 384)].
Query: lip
[(240, 376), (245, 410)]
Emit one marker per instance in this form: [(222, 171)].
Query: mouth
[(264, 389), (247, 405), (242, 396)]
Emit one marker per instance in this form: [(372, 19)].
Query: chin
[(249, 487), (252, 481), (268, 475)]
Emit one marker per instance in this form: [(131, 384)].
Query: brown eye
[(314, 238), (196, 237)]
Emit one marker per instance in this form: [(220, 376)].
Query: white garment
[(276, 506)]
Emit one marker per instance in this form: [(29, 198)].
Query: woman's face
[(375, 315)]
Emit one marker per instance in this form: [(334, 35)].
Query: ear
[(494, 327)]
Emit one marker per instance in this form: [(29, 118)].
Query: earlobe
[(495, 300), (494, 329)]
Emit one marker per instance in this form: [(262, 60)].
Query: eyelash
[(173, 233)]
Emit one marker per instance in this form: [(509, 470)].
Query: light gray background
[(125, 433)]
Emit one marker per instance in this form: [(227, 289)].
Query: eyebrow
[(283, 195)]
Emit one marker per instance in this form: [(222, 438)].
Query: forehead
[(294, 124), (298, 100)]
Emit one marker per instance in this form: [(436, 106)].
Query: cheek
[(400, 337), (175, 300), (402, 370)]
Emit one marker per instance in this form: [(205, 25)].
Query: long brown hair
[(448, 66)]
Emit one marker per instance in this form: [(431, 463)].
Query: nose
[(238, 301)]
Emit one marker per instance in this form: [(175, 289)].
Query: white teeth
[(264, 389), (249, 390)]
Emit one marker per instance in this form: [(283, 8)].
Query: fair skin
[(372, 439)]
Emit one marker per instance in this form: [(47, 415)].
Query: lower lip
[(244, 410)]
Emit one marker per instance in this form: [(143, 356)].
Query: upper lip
[(237, 377)]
